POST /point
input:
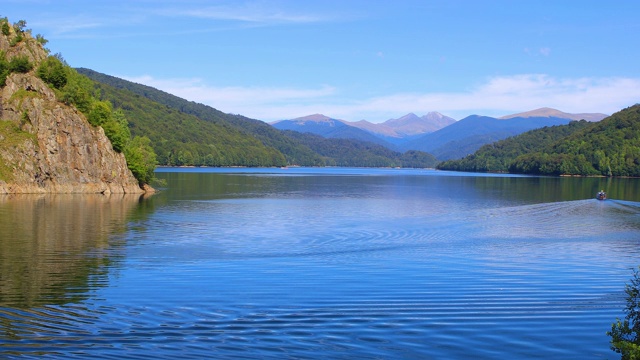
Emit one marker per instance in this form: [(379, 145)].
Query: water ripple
[(380, 269)]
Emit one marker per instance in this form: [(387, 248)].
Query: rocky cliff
[(47, 146)]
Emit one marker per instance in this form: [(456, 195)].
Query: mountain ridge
[(610, 147), (550, 112), (469, 134), (390, 132)]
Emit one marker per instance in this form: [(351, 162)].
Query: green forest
[(610, 147), (355, 153)]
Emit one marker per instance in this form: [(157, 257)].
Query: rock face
[(49, 147)]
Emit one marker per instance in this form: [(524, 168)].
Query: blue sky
[(352, 59)]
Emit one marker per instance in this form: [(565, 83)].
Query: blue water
[(320, 263)]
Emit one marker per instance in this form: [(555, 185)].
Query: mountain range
[(437, 134), (433, 133), (389, 133)]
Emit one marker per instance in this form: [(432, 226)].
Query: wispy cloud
[(132, 20), (544, 51), (496, 96), (251, 15), (234, 98), (254, 13), (67, 25)]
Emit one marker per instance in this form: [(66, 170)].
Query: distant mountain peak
[(550, 112), (412, 124), (433, 115), (409, 116), (314, 117)]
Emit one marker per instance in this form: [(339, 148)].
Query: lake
[(308, 263)]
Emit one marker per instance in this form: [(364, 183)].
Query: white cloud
[(496, 96)]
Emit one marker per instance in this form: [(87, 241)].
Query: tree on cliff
[(53, 72), (625, 335), (141, 159)]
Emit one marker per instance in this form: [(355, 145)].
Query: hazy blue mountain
[(329, 128), (315, 124), (469, 134), (411, 125), (391, 133)]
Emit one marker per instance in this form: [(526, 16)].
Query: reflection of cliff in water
[(54, 248)]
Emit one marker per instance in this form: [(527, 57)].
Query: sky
[(356, 59)]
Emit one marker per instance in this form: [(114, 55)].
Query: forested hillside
[(343, 152), (181, 139), (293, 151), (187, 133), (610, 147), (498, 156), (330, 128), (471, 133)]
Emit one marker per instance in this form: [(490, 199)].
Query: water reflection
[(53, 248)]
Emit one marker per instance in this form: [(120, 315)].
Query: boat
[(601, 195)]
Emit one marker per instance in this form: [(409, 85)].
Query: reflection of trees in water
[(54, 248), (551, 189)]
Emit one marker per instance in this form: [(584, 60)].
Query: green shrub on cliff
[(100, 113), (17, 64), (5, 28), (117, 130), (4, 69), (20, 28), (141, 159), (41, 40), (53, 72), (78, 91), (20, 64)]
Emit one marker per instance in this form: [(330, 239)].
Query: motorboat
[(601, 195)]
